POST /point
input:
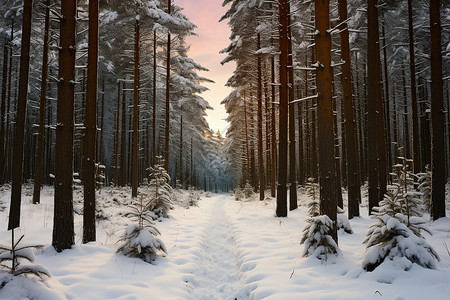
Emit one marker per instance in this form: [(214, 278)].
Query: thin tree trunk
[(154, 101), (415, 119), (437, 116), (247, 163), (324, 77), (116, 137), (181, 151), (40, 147), (387, 100), (91, 127), (372, 81), (135, 149), (2, 112), (16, 188), (381, 138), (261, 176), (123, 144), (301, 162), (337, 158), (291, 110), (102, 123), (281, 209), (7, 160), (273, 130), (167, 129), (63, 227), (406, 145)]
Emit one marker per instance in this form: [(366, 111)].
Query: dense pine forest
[(339, 112)]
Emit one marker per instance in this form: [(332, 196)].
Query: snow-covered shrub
[(193, 197), (312, 190), (140, 213), (142, 243), (342, 221), (317, 239), (238, 194), (425, 188), (402, 176), (178, 184), (160, 201), (139, 240), (247, 190), (389, 238), (12, 258), (406, 207)]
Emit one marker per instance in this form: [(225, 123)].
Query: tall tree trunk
[(8, 106), (291, 110), (395, 125), (437, 116), (91, 127), (167, 129), (181, 151), (387, 111), (262, 183), (116, 138), (337, 157), (273, 129), (324, 77), (268, 124), (16, 188), (301, 162), (381, 132), (2, 112), (406, 145), (63, 227), (123, 144), (39, 173), (102, 123), (135, 149), (415, 119), (281, 209), (247, 143), (372, 81), (154, 102)]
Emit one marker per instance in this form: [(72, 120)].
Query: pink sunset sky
[(212, 37)]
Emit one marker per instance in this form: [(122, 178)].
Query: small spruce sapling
[(139, 240), (193, 197), (160, 201), (318, 242), (12, 258), (316, 234), (248, 190), (425, 188), (312, 189), (397, 233)]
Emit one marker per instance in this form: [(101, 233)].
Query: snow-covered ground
[(222, 249)]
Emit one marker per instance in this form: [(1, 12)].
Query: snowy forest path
[(216, 271)]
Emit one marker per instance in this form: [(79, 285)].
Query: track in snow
[(216, 270)]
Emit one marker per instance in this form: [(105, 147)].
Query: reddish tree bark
[(324, 77), (91, 127), (16, 188), (63, 227), (39, 173), (437, 116), (281, 209), (135, 149)]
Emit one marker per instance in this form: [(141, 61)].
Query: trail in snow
[(216, 270)]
